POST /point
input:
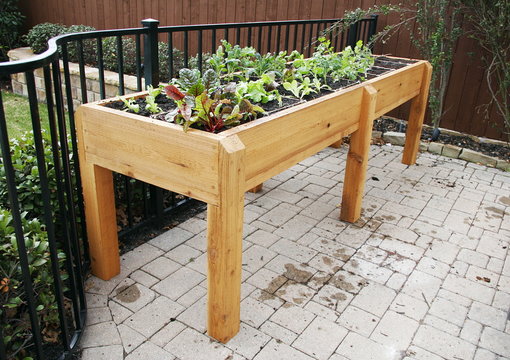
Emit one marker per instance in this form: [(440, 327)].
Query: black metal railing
[(155, 51)]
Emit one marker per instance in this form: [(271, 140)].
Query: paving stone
[(448, 311), (262, 238), (293, 317), (488, 316), (320, 338), (395, 330), (482, 276), (133, 296), (443, 251), (171, 239), (358, 320), (433, 267), (495, 341), (295, 293), (256, 257), (119, 312), (195, 316), (396, 281), (292, 250), (443, 344), (254, 312), (459, 268), (417, 353), (326, 263), (140, 256), (96, 300), (357, 347), (248, 341), (471, 331), (275, 350), (495, 265), (149, 351), (130, 338), (403, 249), (109, 352), (368, 270), (161, 267), (431, 230), (469, 289), (374, 298), (422, 286), (333, 248), (397, 232), (143, 278), (473, 257), (483, 354), (167, 333), (101, 334), (372, 254), (398, 263), (183, 254), (178, 283), (280, 214), (409, 306), (154, 316), (98, 315)]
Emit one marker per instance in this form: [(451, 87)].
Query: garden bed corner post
[(98, 196), (357, 158), (224, 242), (416, 116)]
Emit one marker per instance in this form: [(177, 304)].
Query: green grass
[(17, 114)]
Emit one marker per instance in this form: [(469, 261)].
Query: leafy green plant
[(89, 46), (11, 20), (151, 104), (131, 105), (211, 114), (261, 91), (299, 90), (13, 311), (37, 38)]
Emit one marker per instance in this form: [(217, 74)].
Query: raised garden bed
[(219, 168)]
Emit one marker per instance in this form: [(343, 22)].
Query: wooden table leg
[(224, 243), (416, 116), (101, 220), (357, 158), (100, 216)]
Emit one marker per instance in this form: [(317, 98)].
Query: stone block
[(451, 151), (423, 146), (503, 165), (435, 148), (476, 157), (395, 138)]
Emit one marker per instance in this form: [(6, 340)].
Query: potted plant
[(218, 168)]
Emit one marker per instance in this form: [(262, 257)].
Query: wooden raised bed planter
[(219, 168)]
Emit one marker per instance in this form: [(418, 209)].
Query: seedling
[(131, 105)]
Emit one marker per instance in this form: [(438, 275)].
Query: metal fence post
[(352, 38), (372, 28), (150, 52)]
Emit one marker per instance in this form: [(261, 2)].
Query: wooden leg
[(416, 116), (257, 188), (224, 244), (337, 144), (357, 159), (98, 195), (101, 220)]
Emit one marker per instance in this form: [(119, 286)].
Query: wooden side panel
[(152, 151), (224, 243), (278, 143), (396, 88)]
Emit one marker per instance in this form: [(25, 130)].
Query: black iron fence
[(43, 253)]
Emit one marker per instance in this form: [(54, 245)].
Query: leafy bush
[(14, 311), (10, 22), (110, 55), (89, 46), (37, 38)]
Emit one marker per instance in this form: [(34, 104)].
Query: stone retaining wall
[(19, 84)]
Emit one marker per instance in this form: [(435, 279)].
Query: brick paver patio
[(425, 274)]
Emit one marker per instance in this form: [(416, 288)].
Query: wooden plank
[(257, 188), (416, 116), (397, 87), (304, 129), (357, 158), (224, 243), (97, 184), (152, 151)]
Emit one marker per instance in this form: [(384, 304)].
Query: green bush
[(13, 311), (89, 46), (110, 54), (10, 22), (37, 38)]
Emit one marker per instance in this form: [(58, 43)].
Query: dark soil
[(386, 124)]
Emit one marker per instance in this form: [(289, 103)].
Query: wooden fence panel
[(466, 94)]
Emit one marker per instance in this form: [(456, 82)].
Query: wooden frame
[(219, 168)]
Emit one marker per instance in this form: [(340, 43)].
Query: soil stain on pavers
[(128, 293), (299, 276), (504, 200), (498, 213)]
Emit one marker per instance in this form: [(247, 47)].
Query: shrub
[(37, 38), (89, 46), (10, 22), (110, 54), (14, 311)]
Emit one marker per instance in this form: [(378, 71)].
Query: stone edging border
[(451, 151)]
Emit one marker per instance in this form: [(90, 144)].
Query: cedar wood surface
[(466, 94)]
